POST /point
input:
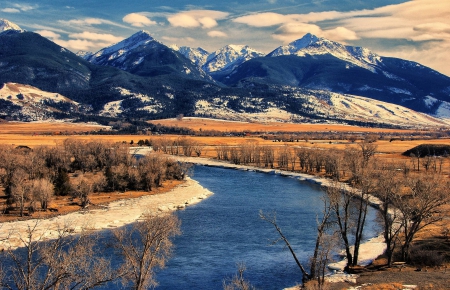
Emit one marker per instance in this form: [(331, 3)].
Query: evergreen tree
[(62, 183)]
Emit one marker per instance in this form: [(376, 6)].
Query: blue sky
[(417, 30)]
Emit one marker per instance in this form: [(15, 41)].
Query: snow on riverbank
[(369, 250), (115, 214)]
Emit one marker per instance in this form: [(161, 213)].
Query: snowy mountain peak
[(138, 39), (305, 41), (229, 57), (197, 55), (8, 25), (84, 54), (313, 45)]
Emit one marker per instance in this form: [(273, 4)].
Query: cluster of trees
[(179, 146), (352, 136), (408, 201), (31, 178), (84, 262)]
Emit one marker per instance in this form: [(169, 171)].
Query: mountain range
[(310, 80)]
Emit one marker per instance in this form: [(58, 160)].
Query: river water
[(225, 229)]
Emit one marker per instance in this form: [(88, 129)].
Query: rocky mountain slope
[(318, 63), (312, 80), (142, 55)]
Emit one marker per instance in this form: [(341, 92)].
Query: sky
[(417, 30)]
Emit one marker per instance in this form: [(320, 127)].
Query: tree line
[(31, 178)]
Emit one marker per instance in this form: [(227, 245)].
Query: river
[(225, 229)]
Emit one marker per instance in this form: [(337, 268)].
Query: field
[(229, 126)]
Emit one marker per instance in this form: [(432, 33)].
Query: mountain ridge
[(139, 77)]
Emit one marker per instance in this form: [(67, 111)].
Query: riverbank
[(369, 250), (114, 214)]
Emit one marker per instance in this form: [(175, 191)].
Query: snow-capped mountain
[(142, 55), (115, 54), (197, 55), (311, 79), (313, 45), (8, 25), (229, 57), (317, 63)]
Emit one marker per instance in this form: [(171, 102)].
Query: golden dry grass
[(48, 128), (229, 126)]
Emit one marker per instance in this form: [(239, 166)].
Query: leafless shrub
[(144, 247)]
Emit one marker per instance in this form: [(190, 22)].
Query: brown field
[(46, 128), (229, 126)]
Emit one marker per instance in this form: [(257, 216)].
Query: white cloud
[(85, 23), (103, 37), (25, 7), (264, 19), (340, 34), (49, 34), (10, 10), (216, 33), (196, 18), (18, 8), (183, 20), (207, 22), (138, 20), (414, 20), (80, 44), (88, 41), (178, 39), (292, 31)]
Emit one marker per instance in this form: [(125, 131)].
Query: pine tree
[(62, 183)]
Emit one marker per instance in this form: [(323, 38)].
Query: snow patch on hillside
[(112, 109), (20, 94), (322, 104), (443, 111), (313, 45), (400, 91)]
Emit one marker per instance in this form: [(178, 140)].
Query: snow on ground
[(115, 214), (323, 104), (20, 94), (443, 111), (112, 108)]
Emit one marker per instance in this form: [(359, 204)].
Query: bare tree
[(42, 191), (20, 189), (238, 282), (341, 203), (145, 246), (82, 190), (421, 206), (272, 219), (198, 148), (66, 262), (389, 187)]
